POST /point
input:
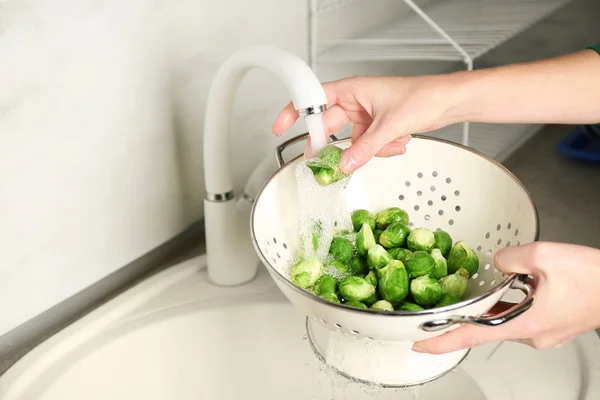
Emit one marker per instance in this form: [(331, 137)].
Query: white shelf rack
[(441, 30)]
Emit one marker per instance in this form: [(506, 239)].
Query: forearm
[(564, 89)]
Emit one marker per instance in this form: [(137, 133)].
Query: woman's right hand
[(384, 112)]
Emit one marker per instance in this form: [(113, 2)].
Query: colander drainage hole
[(419, 193), (430, 203), (451, 222), (427, 217), (488, 253), (441, 212), (355, 332), (444, 198), (278, 256), (481, 283), (407, 183), (432, 188), (401, 197), (448, 180), (285, 246), (419, 175), (487, 235), (457, 208), (507, 244), (456, 193), (509, 226), (516, 232), (475, 276), (337, 325), (499, 242), (498, 227), (492, 282), (434, 174), (416, 208), (479, 248), (487, 266), (274, 240)]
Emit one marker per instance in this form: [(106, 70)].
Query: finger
[(517, 259), (358, 130), (334, 119), (465, 337), (392, 149)]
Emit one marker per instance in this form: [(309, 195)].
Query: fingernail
[(348, 163), (419, 348)]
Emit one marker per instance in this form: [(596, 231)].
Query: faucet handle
[(296, 139)]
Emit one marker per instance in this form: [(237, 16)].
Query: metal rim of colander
[(391, 314)]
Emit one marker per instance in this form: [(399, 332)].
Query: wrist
[(456, 94)]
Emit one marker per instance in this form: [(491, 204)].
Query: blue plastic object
[(582, 143)]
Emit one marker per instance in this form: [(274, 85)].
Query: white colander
[(440, 184)]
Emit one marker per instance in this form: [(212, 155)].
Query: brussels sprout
[(394, 235), (371, 299), (448, 300), (426, 291), (390, 215), (378, 257), (338, 266), (440, 269), (372, 278), (393, 282), (326, 284), (408, 306), (317, 231), (377, 235), (443, 241), (356, 288), (463, 256), (330, 297), (399, 253), (456, 284), (305, 273), (360, 217), (419, 263), (358, 266), (326, 167), (354, 303), (382, 305), (341, 249), (420, 239), (364, 240)]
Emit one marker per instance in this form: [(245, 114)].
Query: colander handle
[(296, 139), (495, 320)]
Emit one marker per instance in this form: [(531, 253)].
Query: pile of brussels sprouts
[(385, 265)]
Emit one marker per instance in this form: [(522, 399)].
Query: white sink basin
[(175, 337)]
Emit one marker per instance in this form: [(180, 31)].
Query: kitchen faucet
[(231, 258)]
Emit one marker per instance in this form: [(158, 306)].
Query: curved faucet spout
[(230, 254)]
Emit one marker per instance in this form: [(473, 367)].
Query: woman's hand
[(384, 112), (566, 304)]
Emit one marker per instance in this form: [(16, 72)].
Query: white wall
[(101, 113)]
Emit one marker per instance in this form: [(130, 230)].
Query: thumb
[(366, 147), (517, 259)]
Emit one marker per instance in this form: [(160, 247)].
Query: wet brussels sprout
[(325, 167), (306, 272), (372, 278), (399, 253), (420, 239), (426, 290), (326, 284), (364, 240), (408, 306), (393, 282), (341, 249), (394, 235), (356, 304), (378, 257), (443, 242), (462, 256), (390, 215), (456, 284), (358, 266), (371, 300), (343, 268), (360, 217), (382, 305), (356, 288), (440, 269), (448, 300), (419, 263), (377, 234), (330, 297)]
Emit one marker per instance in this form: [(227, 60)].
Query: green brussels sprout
[(378, 257), (341, 249), (330, 297), (382, 305), (360, 217), (364, 240), (371, 299), (456, 284), (408, 306), (419, 263), (356, 288), (325, 167), (420, 239), (357, 304), (447, 300), (399, 253), (443, 241), (390, 215), (440, 269), (326, 284), (426, 291), (394, 235), (371, 277), (358, 266), (306, 272), (377, 234), (463, 256), (393, 282), (343, 268), (317, 231)]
